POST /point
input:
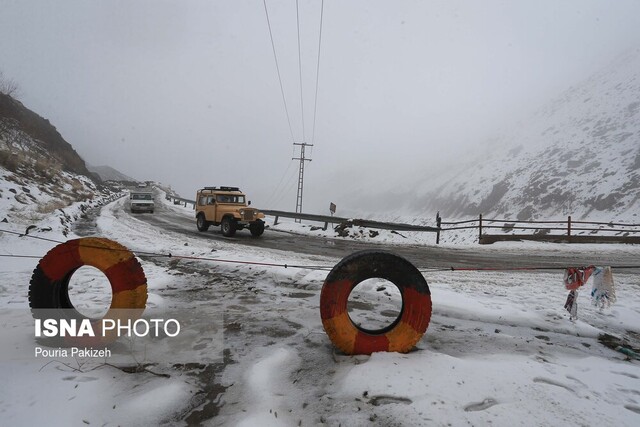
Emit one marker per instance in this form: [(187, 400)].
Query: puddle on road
[(386, 400), (300, 295), (481, 406)]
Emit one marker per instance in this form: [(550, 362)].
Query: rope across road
[(425, 269), (310, 267)]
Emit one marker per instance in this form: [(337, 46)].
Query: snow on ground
[(500, 348)]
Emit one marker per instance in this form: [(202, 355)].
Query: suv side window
[(211, 200), (202, 200)]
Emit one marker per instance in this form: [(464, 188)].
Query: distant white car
[(141, 201)]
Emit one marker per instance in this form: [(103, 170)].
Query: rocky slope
[(40, 173), (26, 137)]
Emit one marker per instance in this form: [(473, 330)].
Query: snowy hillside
[(580, 156), (41, 175), (24, 135), (54, 205)]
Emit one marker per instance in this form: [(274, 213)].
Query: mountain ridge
[(579, 155), (108, 173)]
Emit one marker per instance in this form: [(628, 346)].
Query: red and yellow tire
[(49, 286), (403, 334)]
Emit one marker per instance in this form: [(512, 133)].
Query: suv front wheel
[(256, 228), (202, 223), (228, 226)]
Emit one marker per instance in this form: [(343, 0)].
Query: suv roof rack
[(222, 188)]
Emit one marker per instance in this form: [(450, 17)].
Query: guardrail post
[(480, 229), (276, 221), (326, 224), (569, 226), (438, 223)]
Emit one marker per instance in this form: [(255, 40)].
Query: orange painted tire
[(49, 286), (403, 334)]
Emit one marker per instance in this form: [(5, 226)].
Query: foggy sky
[(186, 92)]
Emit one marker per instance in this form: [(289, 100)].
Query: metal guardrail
[(307, 217), (326, 219), (396, 226), (181, 200)]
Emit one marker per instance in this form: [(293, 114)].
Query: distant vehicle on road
[(227, 207), (141, 201)]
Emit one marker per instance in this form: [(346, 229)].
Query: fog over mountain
[(107, 173), (579, 155)]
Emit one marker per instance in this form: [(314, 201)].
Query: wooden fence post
[(480, 229), (438, 223), (569, 226)]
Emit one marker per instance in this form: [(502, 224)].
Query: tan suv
[(227, 206)]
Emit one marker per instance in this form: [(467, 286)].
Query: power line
[(277, 187), (315, 101), (290, 185), (303, 144), (275, 57), (300, 69)]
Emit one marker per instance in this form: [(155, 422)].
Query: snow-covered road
[(418, 247), (500, 348)]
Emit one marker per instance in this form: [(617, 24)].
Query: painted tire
[(49, 286), (403, 334)]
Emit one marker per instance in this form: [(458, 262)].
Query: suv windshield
[(229, 198), (141, 197)]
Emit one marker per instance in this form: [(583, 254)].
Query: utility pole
[(302, 159)]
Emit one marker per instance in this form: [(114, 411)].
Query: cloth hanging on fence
[(603, 291), (572, 305), (574, 277)]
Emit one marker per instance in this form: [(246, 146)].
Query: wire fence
[(566, 230)]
